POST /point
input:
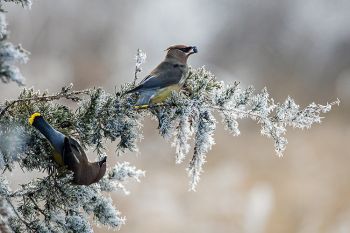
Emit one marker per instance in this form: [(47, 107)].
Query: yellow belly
[(164, 93), (58, 158)]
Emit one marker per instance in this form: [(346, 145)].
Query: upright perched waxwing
[(69, 153), (168, 76)]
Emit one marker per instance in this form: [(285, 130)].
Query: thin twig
[(135, 76), (67, 95), (38, 208), (140, 58)]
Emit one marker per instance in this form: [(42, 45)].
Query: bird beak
[(193, 50), (102, 161)]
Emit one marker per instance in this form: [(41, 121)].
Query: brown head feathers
[(180, 52)]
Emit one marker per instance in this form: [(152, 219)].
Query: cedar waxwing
[(168, 76), (68, 152)]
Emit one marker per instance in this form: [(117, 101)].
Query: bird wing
[(162, 76), (162, 80), (78, 150), (72, 153), (161, 68)]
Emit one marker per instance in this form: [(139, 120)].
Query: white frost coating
[(203, 143), (11, 55), (140, 59), (78, 223), (183, 134), (13, 141), (117, 176), (3, 25)]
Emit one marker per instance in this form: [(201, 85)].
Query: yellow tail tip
[(32, 117)]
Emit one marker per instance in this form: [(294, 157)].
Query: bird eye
[(185, 50)]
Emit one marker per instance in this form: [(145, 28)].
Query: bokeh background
[(299, 48)]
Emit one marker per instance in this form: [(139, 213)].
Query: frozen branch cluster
[(11, 55), (118, 175), (190, 112), (52, 203)]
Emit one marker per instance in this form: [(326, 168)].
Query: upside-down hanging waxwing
[(168, 76), (69, 153)]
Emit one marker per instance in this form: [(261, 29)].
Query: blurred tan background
[(299, 48)]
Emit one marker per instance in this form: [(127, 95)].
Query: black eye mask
[(186, 50)]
